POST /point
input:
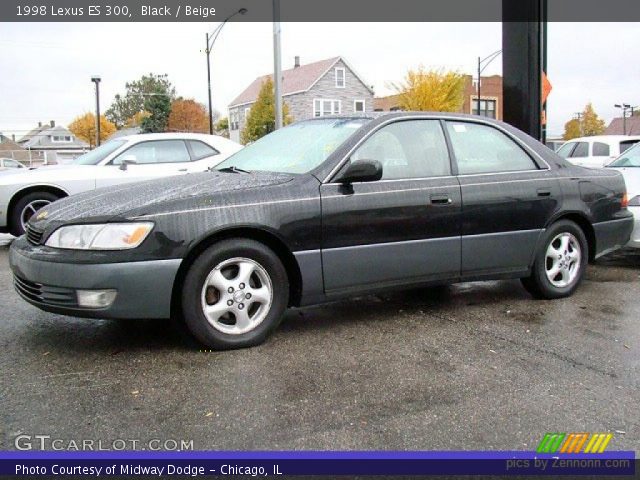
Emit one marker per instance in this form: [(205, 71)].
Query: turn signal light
[(625, 200)]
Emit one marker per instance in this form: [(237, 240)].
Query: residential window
[(483, 149), (246, 113), (322, 107), (600, 149), (408, 149), (340, 82), (234, 120), (487, 107), (61, 138), (358, 106)]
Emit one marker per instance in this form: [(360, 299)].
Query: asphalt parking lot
[(471, 366)]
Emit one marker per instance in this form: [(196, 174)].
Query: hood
[(631, 179), (104, 204)]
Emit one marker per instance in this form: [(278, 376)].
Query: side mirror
[(126, 161), (362, 171)]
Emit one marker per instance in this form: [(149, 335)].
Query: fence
[(30, 158)]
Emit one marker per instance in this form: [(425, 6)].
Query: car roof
[(605, 138), (169, 136)]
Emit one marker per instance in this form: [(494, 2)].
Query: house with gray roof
[(327, 87), (55, 143)]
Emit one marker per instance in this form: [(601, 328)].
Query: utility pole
[(96, 79), (578, 116), (277, 65), (211, 39)]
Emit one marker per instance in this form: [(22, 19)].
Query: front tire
[(234, 294), (560, 262), (26, 207)]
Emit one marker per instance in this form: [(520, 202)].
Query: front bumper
[(143, 288), (635, 235)]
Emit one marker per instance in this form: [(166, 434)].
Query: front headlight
[(109, 236)]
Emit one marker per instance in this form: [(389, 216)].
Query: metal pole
[(277, 65), (624, 120), (479, 73), (96, 80), (208, 51)]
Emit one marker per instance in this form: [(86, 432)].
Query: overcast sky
[(47, 67)]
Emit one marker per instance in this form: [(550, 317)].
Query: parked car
[(319, 210), (596, 151), (628, 164), (122, 160), (11, 165)]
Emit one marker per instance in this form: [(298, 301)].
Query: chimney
[(39, 124), (296, 61), (53, 123), (13, 137)]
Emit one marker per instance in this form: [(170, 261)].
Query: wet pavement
[(471, 366)]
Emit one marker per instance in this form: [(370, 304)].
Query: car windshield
[(96, 155), (630, 158), (298, 148)]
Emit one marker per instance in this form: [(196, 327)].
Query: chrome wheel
[(236, 296), (563, 260), (30, 209)]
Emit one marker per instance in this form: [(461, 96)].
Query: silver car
[(629, 165)]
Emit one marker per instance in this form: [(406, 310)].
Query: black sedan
[(324, 208)]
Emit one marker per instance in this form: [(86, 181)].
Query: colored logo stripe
[(573, 442)]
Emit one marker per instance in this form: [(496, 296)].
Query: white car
[(121, 160), (9, 164), (629, 165), (596, 151)]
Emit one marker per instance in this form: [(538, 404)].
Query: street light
[(96, 79), (486, 61), (211, 39), (625, 107)]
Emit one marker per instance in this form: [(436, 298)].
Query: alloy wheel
[(563, 259)]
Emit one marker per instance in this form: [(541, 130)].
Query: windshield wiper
[(233, 169)]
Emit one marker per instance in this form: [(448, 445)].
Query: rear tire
[(26, 207), (560, 262), (234, 294)]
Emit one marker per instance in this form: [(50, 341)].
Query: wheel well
[(586, 227), (262, 236), (26, 191)]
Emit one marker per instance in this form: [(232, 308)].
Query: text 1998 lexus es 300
[(321, 209)]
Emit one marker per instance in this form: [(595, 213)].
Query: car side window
[(11, 164), (581, 150), (483, 149), (408, 149), (201, 150), (600, 149), (565, 150), (155, 151)]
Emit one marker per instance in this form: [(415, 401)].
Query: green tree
[(261, 118), (222, 127), (125, 107), (572, 129), (158, 105), (431, 90)]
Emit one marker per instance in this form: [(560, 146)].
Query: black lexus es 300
[(322, 209)]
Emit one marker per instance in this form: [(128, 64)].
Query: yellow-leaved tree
[(84, 127), (587, 125), (431, 90), (572, 129), (261, 119)]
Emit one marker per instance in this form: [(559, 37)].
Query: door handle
[(544, 193), (441, 199), (182, 170)]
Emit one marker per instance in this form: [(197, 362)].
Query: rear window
[(565, 150), (600, 149)]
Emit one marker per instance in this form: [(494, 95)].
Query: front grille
[(34, 236), (45, 294)]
